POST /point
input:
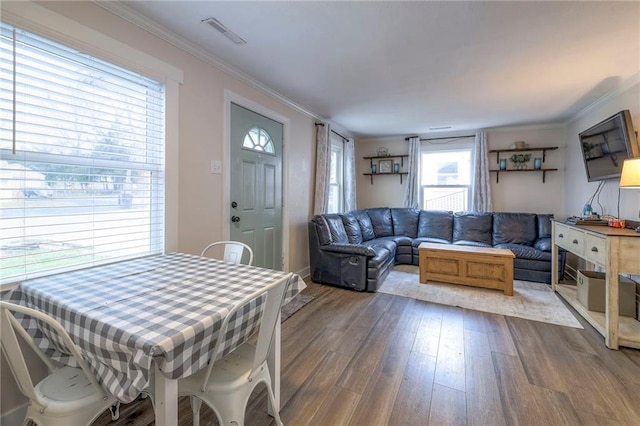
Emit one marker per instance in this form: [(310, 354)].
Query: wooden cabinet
[(542, 169), (618, 252), (377, 160)]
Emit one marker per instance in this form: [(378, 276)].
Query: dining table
[(154, 319)]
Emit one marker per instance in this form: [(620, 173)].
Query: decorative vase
[(396, 168), (537, 163), (374, 169)]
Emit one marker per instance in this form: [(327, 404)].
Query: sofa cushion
[(472, 229), (386, 243), (384, 248), (514, 228), (336, 229), (405, 221), (526, 252), (436, 226), (544, 225), (324, 235), (352, 227), (381, 221), (366, 227), (543, 244)]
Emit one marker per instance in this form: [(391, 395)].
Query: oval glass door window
[(258, 139)]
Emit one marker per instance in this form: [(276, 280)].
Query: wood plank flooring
[(352, 358)]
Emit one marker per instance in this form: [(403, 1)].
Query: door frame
[(232, 97)]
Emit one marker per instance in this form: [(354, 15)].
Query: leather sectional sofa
[(358, 249)]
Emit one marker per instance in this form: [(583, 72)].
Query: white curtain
[(412, 189), (349, 175), (481, 192), (323, 159)]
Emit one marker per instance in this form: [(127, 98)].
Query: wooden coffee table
[(485, 267)]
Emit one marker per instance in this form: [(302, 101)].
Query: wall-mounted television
[(606, 145)]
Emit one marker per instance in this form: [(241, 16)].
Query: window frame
[(48, 24), (337, 148), (451, 147)]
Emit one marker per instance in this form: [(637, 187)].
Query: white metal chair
[(67, 396), (233, 251), (225, 385)]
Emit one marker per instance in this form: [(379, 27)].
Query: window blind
[(81, 159)]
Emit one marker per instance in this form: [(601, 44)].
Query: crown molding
[(539, 126), (632, 81), (181, 43)]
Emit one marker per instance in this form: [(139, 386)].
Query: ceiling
[(400, 68)]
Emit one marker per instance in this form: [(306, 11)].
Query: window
[(82, 159), (258, 139), (336, 178), (446, 179)]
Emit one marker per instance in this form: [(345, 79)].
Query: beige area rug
[(532, 301)]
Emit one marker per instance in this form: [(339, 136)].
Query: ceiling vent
[(225, 31), (440, 128)]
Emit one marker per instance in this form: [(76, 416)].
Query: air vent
[(225, 31), (440, 128)]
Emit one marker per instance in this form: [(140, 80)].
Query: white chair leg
[(195, 410), (274, 409)]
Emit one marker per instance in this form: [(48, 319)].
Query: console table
[(617, 251)]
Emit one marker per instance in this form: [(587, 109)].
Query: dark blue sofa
[(358, 249)]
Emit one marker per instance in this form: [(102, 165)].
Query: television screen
[(606, 145)]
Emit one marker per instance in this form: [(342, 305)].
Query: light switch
[(216, 167)]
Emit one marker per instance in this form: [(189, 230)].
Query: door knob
[(234, 204), (235, 219)]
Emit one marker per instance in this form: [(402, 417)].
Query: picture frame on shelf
[(384, 166)]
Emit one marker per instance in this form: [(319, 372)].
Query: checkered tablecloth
[(166, 309)]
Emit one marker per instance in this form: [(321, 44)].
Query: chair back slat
[(270, 316), (233, 251), (274, 294), (14, 356)]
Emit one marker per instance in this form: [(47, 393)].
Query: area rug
[(294, 306), (532, 301)]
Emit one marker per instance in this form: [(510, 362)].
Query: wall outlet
[(216, 167)]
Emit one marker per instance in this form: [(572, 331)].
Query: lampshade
[(630, 177)]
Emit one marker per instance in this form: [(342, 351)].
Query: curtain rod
[(450, 137), (333, 131)]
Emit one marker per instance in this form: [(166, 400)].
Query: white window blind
[(81, 159)]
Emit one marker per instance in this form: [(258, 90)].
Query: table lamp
[(630, 178)]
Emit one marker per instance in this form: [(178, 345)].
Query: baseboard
[(304, 272), (15, 416)]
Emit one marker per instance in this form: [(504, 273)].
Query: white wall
[(386, 191), (577, 190), (516, 192), (525, 192)]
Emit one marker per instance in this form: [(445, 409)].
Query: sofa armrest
[(353, 249)]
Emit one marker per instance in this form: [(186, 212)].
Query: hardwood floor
[(352, 358)]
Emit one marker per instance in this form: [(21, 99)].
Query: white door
[(256, 185)]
